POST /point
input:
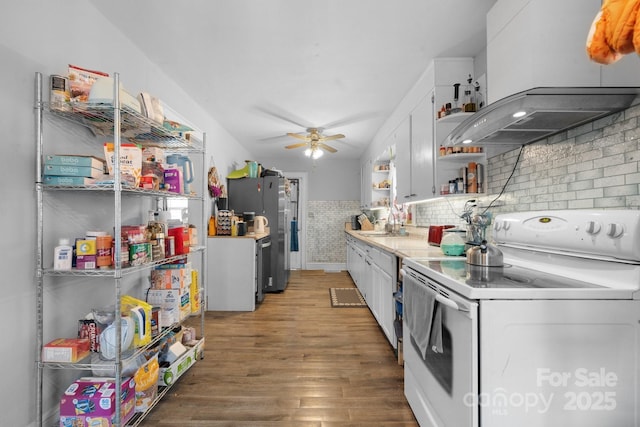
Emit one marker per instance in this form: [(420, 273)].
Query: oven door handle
[(449, 303)]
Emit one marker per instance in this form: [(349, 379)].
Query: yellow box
[(85, 247)]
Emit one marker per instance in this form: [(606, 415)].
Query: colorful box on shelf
[(91, 402), (67, 170), (86, 262), (67, 180), (171, 276), (66, 350), (170, 301), (71, 160), (170, 375), (130, 162)]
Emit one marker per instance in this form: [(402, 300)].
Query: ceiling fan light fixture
[(316, 154), (308, 152)]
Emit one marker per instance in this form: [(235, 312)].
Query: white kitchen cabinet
[(419, 173), (401, 139), (359, 268), (422, 151), (366, 183), (522, 53), (234, 286), (374, 271), (382, 300)]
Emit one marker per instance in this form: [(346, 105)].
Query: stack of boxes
[(170, 291), (72, 170)]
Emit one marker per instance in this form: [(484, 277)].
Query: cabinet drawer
[(386, 262)]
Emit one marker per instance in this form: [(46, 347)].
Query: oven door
[(441, 381)]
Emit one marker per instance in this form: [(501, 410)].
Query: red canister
[(181, 236)]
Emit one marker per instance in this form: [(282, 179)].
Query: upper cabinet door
[(422, 149), (401, 138)]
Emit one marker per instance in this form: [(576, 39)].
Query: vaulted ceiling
[(264, 68)]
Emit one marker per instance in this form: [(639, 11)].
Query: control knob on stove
[(615, 230), (593, 227)]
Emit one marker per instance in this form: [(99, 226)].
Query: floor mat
[(346, 297)]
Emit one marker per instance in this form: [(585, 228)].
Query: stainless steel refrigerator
[(266, 196)]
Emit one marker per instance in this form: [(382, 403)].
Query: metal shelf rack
[(120, 123)]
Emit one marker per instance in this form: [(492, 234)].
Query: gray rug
[(346, 297)]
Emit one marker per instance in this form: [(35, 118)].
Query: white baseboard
[(327, 266)]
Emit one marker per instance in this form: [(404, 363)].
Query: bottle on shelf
[(469, 100), (63, 255)]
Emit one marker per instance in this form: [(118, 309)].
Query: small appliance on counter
[(436, 232), (355, 224)]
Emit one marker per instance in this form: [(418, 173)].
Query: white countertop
[(413, 245)]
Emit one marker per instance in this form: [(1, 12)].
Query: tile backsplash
[(325, 229), (594, 166)]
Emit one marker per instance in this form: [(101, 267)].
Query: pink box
[(86, 262), (90, 401)]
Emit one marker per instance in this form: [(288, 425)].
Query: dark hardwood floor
[(295, 361)]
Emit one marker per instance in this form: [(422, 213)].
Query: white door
[(297, 215)]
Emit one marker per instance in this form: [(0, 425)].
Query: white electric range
[(550, 339)]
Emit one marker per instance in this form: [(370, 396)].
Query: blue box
[(69, 160), (67, 180), (70, 170)]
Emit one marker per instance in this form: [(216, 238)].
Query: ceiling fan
[(315, 142)]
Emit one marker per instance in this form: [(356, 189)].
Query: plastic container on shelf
[(63, 255)]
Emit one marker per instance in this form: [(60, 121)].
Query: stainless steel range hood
[(543, 111)]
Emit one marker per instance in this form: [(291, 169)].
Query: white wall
[(45, 36), (328, 179)]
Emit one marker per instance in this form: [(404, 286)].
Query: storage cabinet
[(521, 56), (235, 285), (365, 184), (374, 271), (450, 166), (72, 210), (401, 139), (381, 186), (422, 149), (420, 169)]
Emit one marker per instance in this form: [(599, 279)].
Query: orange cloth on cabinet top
[(615, 31)]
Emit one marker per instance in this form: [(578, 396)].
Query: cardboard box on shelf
[(70, 170), (169, 375), (73, 160), (66, 350), (89, 401), (130, 162), (170, 301)]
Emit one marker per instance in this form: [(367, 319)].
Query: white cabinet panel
[(233, 286), (422, 150), (401, 138)]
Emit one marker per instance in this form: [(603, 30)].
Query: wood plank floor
[(295, 361)]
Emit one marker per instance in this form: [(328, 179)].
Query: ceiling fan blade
[(273, 138), (328, 148), (295, 135), (281, 114), (332, 137), (298, 145), (353, 119)]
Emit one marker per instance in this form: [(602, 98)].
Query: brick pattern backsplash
[(325, 229), (594, 166)]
